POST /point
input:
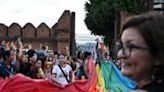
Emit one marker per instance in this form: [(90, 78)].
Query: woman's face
[(38, 64), (62, 62), (12, 55), (136, 61), (33, 58)]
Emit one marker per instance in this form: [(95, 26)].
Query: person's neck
[(63, 65), (143, 82)]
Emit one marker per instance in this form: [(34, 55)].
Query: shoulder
[(2, 65), (154, 87), (68, 67), (55, 66)]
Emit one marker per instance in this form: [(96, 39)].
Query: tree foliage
[(100, 15)]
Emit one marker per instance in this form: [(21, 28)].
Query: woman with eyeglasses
[(141, 51)]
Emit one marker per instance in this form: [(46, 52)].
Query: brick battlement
[(57, 37)]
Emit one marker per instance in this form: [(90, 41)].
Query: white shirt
[(60, 78)]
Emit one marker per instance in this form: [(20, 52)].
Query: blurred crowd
[(42, 63)]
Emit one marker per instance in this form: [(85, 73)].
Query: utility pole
[(116, 31), (150, 4)]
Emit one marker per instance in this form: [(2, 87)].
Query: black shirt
[(154, 87), (24, 68)]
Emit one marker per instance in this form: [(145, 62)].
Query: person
[(36, 70), (7, 69), (55, 58), (47, 67), (141, 50), (24, 65), (83, 70), (62, 73), (74, 64)]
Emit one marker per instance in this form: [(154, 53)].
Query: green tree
[(101, 15)]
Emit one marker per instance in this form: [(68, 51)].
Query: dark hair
[(151, 27), (30, 53), (56, 53), (86, 54), (43, 47), (79, 53), (6, 54), (2, 50), (74, 59)]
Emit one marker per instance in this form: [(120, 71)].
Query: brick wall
[(57, 37)]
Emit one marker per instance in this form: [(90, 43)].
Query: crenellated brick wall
[(57, 37)]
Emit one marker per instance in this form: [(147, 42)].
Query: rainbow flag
[(105, 77), (111, 79), (100, 80)]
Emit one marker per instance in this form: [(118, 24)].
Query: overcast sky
[(37, 11)]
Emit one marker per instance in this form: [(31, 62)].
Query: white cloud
[(37, 11)]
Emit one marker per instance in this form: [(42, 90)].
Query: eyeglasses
[(127, 48)]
